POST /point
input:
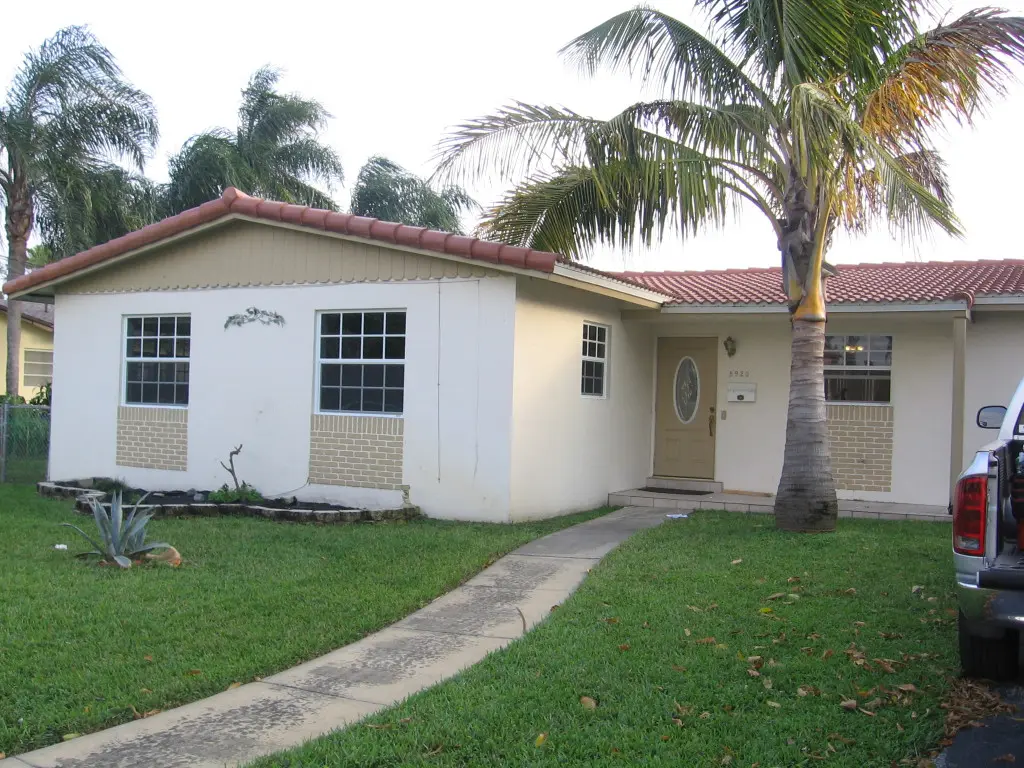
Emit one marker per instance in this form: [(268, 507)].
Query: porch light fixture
[(730, 346)]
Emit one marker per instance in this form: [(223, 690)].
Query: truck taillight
[(969, 505)]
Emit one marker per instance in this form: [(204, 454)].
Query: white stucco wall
[(751, 436), (569, 451), (254, 385), (994, 369)]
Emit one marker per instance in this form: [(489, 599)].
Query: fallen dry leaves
[(539, 741), (968, 702)]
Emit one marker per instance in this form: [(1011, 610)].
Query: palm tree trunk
[(806, 499), (18, 225)]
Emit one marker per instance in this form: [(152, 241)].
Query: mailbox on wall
[(741, 393)]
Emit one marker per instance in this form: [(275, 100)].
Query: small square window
[(858, 368)]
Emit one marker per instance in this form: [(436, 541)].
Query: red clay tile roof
[(853, 284), (235, 202)]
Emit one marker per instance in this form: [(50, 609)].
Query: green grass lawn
[(30, 470), (664, 636), (81, 645)]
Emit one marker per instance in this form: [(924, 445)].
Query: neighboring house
[(491, 382), (36, 345)]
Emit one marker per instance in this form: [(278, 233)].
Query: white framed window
[(37, 367), (361, 361), (858, 369), (156, 359), (594, 370)]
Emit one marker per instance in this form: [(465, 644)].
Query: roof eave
[(835, 307), (580, 279), (589, 279)]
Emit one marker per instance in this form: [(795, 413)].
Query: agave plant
[(123, 536)]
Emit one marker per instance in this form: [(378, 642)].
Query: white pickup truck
[(988, 546)]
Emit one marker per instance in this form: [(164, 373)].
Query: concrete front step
[(736, 502), (685, 484)]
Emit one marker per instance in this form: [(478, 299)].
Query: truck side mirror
[(991, 416)]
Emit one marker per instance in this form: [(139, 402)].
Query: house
[(36, 345), (361, 362)]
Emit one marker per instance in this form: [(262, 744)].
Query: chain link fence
[(24, 443)]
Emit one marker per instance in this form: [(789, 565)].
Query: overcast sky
[(397, 75)]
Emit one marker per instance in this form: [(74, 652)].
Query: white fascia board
[(611, 283), (998, 300)]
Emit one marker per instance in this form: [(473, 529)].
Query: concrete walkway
[(765, 504), (453, 632)]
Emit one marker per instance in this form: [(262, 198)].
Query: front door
[(684, 411)]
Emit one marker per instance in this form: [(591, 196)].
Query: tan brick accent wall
[(860, 440), (152, 438), (360, 451)]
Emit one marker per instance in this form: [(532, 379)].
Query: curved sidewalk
[(458, 629)]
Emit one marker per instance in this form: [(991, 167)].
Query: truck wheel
[(994, 658)]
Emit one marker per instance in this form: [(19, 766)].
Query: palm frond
[(206, 165), (306, 158), (833, 147), (947, 73), (666, 51), (70, 93), (94, 205), (619, 203), (873, 201), (387, 191), (514, 142), (787, 42), (735, 133), (274, 153)]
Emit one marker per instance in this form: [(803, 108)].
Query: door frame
[(654, 392)]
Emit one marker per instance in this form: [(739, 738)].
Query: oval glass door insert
[(687, 390)]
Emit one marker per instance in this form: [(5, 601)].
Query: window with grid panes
[(361, 361), (858, 369), (595, 354), (156, 360)]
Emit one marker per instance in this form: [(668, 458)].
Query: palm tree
[(387, 191), (68, 110), (815, 112), (93, 206), (274, 152)]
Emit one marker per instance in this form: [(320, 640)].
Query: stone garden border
[(83, 497)]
